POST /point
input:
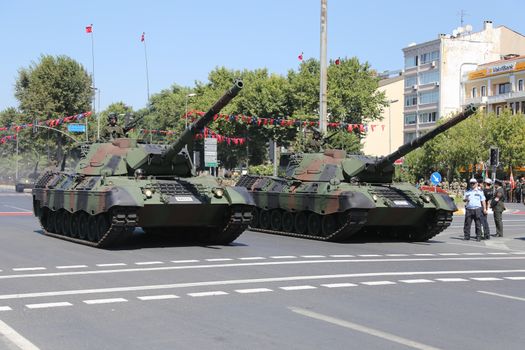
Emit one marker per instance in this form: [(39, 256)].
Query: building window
[(429, 57), (428, 97), (483, 90), (410, 81), (498, 110), (410, 100), (410, 119), (504, 88), (429, 77), (474, 92), (429, 117), (410, 61), (520, 85), (434, 55), (409, 136)]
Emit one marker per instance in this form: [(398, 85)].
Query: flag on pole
[(337, 61), (300, 57), (89, 28), (511, 180), (142, 36)]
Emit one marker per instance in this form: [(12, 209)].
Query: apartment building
[(434, 71), (497, 85)]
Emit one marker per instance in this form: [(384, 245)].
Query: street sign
[(74, 127), (210, 152), (435, 178)]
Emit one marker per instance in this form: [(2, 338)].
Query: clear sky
[(187, 39)]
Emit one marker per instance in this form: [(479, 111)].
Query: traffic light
[(494, 156)]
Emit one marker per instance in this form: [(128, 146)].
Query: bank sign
[(501, 68)]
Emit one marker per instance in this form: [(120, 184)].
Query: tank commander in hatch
[(112, 130)]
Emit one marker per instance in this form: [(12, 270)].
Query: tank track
[(355, 220), (120, 224), (436, 224)]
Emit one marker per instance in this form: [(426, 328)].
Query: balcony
[(506, 97)]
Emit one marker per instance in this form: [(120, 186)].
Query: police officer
[(498, 207), (474, 207), (112, 130), (487, 192)]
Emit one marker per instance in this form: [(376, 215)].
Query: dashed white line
[(283, 257), (105, 301), (111, 265), (369, 255), (16, 338), (424, 254), (378, 283), (502, 295), (71, 267), (297, 287), (5, 308), (158, 297), (449, 254), (339, 285), (451, 279), (518, 253), (184, 261), (29, 268), (342, 256), (419, 280), (312, 256), (207, 294), (472, 254), (515, 278), (149, 263), (486, 279), (219, 259), (498, 253), (253, 290), (396, 254), (48, 305), (252, 258)]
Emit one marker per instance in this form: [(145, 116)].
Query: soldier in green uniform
[(498, 207), (112, 130)]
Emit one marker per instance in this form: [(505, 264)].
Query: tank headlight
[(374, 197), (148, 193), (426, 198), (218, 192)]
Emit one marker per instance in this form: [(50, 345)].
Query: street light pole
[(390, 125), (186, 108)]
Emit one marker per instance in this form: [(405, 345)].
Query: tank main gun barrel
[(188, 134), (419, 141)]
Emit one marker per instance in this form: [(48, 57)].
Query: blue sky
[(187, 39)]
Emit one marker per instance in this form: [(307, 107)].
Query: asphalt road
[(263, 291)]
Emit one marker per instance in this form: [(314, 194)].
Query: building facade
[(434, 71)]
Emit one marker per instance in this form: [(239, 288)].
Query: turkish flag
[(337, 62), (142, 37), (300, 57), (89, 28), (512, 182)]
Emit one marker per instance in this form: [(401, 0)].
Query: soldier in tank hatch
[(112, 130), (474, 208)]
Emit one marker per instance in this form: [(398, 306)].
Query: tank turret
[(124, 156)]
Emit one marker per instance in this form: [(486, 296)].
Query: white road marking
[(207, 294), (29, 268), (502, 295), (342, 256), (71, 267), (312, 256), (498, 253), (448, 254), (48, 305), (16, 338), (283, 257), (219, 259), (421, 280), (424, 254), (378, 283), (451, 279), (339, 285), (158, 297), (111, 265), (486, 279), (104, 301), (149, 263), (253, 290), (392, 255), (252, 258), (249, 281), (369, 255), (515, 278), (297, 287), (5, 308), (363, 329), (472, 254), (518, 253), (184, 261)]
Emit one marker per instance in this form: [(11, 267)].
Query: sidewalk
[(512, 208)]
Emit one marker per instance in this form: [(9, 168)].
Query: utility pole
[(323, 86)]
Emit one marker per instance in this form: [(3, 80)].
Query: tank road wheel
[(92, 232), (301, 222), (276, 220), (44, 217), (328, 225), (103, 225), (255, 218), (314, 224), (264, 219), (59, 222), (74, 225), (288, 221), (68, 223), (51, 221), (82, 225)]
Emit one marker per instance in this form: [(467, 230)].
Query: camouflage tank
[(331, 196), (123, 184)]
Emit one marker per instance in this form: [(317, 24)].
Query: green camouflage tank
[(330, 196), (123, 184)]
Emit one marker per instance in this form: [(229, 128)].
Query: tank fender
[(442, 201), (355, 200), (238, 195), (124, 197)]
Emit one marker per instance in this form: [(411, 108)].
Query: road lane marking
[(378, 283), (219, 259), (253, 258), (207, 294), (515, 278), (158, 297), (339, 285), (502, 295), (283, 257), (472, 254), (71, 266), (369, 255), (48, 305), (420, 280), (392, 255), (112, 265), (486, 279), (16, 338), (184, 261), (15, 213), (498, 253), (448, 254), (104, 301), (451, 280), (253, 290), (312, 256), (424, 254), (363, 329), (149, 263), (297, 287), (29, 268), (5, 308), (342, 256)]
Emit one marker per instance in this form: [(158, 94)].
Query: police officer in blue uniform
[(475, 207)]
